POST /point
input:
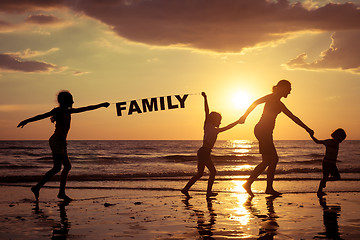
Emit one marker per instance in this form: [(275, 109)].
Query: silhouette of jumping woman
[(264, 133), (62, 117), (211, 130)]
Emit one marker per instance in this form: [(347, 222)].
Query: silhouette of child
[(211, 130), (329, 161), (62, 117)]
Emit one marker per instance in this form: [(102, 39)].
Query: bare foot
[(273, 192), (35, 190), (247, 188), (64, 197), (211, 194), (186, 193)]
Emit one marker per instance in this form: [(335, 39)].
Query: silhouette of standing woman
[(264, 133), (62, 117)]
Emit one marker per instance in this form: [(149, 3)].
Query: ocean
[(131, 190), (122, 160)]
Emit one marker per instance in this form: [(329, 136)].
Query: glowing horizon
[(100, 55)]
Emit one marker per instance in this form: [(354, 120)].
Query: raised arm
[(33, 119), (296, 120), (89, 108), (206, 105), (252, 107)]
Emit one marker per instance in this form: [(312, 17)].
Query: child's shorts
[(58, 145), (203, 154), (330, 169)]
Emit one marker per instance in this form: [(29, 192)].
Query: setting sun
[(241, 100)]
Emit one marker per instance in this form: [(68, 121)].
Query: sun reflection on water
[(238, 167), (240, 213), (241, 147)]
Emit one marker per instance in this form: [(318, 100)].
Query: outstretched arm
[(231, 125), (33, 119), (252, 107), (206, 105), (316, 140), (296, 120), (89, 108)]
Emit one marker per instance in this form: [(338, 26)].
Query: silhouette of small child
[(329, 162), (211, 130), (62, 117)]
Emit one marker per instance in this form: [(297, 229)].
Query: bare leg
[(36, 192), (197, 176), (64, 174), (247, 187), (48, 175), (270, 174), (191, 182), (254, 175), (211, 167), (325, 178), (322, 184)]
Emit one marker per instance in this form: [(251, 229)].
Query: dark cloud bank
[(218, 25)]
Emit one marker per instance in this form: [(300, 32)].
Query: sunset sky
[(234, 50)]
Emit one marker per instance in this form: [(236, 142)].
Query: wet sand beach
[(144, 211)]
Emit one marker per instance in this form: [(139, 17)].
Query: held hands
[(242, 120), (310, 131)]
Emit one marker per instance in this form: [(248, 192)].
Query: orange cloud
[(79, 73), (28, 53), (343, 54), (11, 63), (216, 25), (6, 26), (20, 6), (31, 21), (42, 19)]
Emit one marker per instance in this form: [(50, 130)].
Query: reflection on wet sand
[(205, 226), (330, 216), (60, 229), (268, 226)]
